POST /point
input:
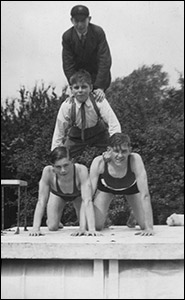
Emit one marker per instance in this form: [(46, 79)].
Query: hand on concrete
[(93, 233), (35, 233), (78, 232), (145, 232)]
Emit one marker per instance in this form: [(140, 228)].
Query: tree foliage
[(149, 111)]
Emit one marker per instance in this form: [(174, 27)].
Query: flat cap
[(79, 11)]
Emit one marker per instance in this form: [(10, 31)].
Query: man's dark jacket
[(94, 57)]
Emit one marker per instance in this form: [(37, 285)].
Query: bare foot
[(131, 223), (60, 225)]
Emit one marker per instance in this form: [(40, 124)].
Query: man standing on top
[(85, 47)]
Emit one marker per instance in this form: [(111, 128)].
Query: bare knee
[(53, 227), (142, 227), (99, 228)]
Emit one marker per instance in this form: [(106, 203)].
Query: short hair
[(81, 76), (59, 153), (119, 138)]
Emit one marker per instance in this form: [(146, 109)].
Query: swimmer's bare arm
[(43, 197), (87, 204), (96, 169), (142, 183)]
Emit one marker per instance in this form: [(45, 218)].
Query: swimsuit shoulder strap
[(128, 164)]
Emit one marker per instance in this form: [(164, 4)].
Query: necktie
[(83, 39), (83, 120)]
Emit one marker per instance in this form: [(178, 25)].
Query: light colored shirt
[(64, 117)]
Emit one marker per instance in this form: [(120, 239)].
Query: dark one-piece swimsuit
[(67, 196), (127, 185)]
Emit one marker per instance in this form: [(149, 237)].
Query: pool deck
[(116, 242)]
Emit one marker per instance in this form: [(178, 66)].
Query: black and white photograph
[(92, 149)]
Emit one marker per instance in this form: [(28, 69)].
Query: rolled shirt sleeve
[(64, 118), (61, 125), (109, 117)]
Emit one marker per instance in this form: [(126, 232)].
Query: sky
[(138, 32)]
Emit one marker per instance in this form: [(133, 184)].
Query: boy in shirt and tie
[(81, 120)]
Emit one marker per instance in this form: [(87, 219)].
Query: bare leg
[(54, 211), (137, 207), (131, 222), (101, 205), (77, 205)]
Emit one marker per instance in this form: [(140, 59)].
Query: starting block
[(19, 184)]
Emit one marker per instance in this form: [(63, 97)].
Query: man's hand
[(99, 95), (35, 233), (145, 232)]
